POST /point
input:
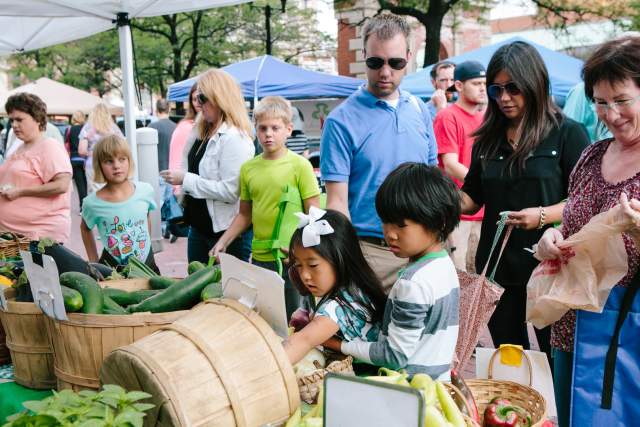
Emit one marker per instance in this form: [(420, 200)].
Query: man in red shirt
[(453, 128)]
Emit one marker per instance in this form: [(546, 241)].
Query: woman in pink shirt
[(183, 132), (35, 179)]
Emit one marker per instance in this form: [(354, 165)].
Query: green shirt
[(262, 182)]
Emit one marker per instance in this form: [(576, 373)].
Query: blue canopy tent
[(564, 70), (266, 75)]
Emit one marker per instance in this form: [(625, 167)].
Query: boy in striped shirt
[(419, 207)]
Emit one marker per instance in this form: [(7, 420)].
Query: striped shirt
[(420, 325)]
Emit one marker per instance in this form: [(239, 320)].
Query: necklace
[(513, 143)]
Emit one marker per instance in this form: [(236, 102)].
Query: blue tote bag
[(606, 365)]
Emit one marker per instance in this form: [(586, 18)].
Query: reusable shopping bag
[(286, 223), (606, 365), (593, 260)]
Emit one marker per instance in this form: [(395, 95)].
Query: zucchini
[(180, 296), (194, 266), (161, 282), (214, 290), (89, 289), (72, 299), (109, 306)]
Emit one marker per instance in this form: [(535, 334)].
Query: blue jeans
[(292, 298), (562, 374), (199, 245)]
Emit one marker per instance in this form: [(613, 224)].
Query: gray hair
[(385, 27)]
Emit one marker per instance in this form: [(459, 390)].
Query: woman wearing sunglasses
[(521, 161), (211, 182)]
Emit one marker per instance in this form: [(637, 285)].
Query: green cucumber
[(72, 299), (109, 306), (214, 290), (194, 266), (89, 289), (119, 296), (180, 296), (161, 282), (143, 294)]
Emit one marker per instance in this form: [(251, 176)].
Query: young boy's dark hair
[(422, 194), (342, 250)]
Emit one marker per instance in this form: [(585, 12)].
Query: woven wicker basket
[(310, 385), (520, 395), (12, 248)]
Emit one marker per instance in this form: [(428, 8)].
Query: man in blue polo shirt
[(372, 132)]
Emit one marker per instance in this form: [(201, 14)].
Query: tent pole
[(128, 92)]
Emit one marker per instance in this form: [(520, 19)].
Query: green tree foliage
[(175, 47), (431, 14)]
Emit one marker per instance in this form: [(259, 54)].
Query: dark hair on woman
[(30, 104), (614, 62), (526, 68), (342, 250), (422, 194), (191, 111)]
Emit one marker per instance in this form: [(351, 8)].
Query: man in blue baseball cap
[(453, 128)]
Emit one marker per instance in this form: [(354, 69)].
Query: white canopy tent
[(34, 24), (61, 99)]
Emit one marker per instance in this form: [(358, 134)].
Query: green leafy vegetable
[(111, 407)]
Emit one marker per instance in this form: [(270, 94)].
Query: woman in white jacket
[(211, 182)]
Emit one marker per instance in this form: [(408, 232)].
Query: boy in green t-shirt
[(264, 181)]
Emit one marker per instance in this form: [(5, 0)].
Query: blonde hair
[(77, 118), (273, 107), (100, 119), (107, 148), (221, 89)]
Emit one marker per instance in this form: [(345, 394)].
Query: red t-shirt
[(453, 127)]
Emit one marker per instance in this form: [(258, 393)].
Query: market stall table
[(13, 395)]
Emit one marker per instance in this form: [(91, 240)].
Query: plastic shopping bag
[(593, 260)]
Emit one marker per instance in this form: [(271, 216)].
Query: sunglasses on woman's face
[(375, 63), (495, 91), (201, 98)]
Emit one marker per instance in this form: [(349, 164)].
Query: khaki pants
[(465, 241), (383, 262)]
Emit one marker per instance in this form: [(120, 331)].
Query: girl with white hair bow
[(327, 264)]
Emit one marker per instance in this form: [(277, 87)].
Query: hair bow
[(312, 226)]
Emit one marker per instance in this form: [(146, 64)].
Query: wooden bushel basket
[(28, 342), (220, 365), (5, 357), (81, 343)]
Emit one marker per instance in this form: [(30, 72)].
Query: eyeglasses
[(201, 98), (375, 63), (495, 91), (617, 106)]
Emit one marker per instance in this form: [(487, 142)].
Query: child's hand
[(219, 247), (173, 177), (334, 344)]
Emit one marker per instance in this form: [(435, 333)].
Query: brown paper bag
[(593, 262)]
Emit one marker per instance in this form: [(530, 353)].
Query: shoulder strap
[(414, 101)]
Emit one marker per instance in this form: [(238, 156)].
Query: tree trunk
[(432, 27)]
